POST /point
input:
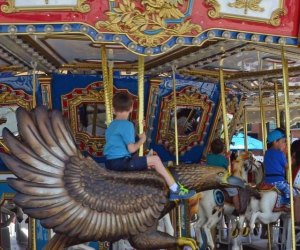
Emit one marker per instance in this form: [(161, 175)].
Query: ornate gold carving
[(214, 11), (11, 98), (81, 6), (148, 27), (247, 4), (275, 17), (185, 100), (92, 97)]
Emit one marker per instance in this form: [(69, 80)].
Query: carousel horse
[(10, 213), (82, 201), (208, 217)]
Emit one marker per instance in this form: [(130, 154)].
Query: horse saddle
[(280, 205)]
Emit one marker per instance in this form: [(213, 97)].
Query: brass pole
[(32, 226), (263, 121), (32, 220), (106, 85), (285, 73), (34, 65), (110, 86), (175, 115), (141, 72), (224, 109), (277, 110), (176, 143), (245, 129)]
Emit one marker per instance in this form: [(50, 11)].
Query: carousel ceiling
[(247, 66)]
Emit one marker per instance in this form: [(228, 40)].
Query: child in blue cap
[(275, 164)]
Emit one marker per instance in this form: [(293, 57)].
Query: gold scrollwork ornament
[(247, 4), (10, 7), (148, 27)]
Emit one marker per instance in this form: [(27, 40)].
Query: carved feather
[(73, 194)]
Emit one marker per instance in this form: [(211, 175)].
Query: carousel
[(196, 71)]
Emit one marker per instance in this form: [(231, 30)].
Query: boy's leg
[(176, 191), (155, 163)]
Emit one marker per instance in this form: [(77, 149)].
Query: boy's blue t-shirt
[(274, 163), (118, 135), (217, 160)]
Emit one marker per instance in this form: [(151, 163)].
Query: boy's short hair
[(122, 102), (217, 146)]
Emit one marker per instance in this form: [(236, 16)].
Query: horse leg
[(210, 224)]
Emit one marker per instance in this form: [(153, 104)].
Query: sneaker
[(181, 193)]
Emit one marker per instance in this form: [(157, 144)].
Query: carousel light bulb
[(30, 29), (48, 28), (66, 28), (282, 40), (241, 36), (180, 40), (196, 41), (12, 29), (117, 38), (148, 51), (269, 39), (132, 46), (211, 34), (226, 34), (255, 38), (84, 28), (165, 47), (100, 37)]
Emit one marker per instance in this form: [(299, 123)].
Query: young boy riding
[(120, 145)]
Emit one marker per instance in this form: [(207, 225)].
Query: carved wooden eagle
[(82, 201)]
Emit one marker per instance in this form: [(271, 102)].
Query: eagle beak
[(233, 181)]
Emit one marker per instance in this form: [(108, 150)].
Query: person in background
[(120, 144), (218, 159), (275, 164)]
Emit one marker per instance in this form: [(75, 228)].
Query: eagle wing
[(71, 193)]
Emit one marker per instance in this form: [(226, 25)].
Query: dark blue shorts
[(127, 164)]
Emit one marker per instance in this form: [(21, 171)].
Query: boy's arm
[(133, 147)]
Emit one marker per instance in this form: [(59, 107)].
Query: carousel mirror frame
[(13, 97), (94, 94), (31, 225), (187, 97)]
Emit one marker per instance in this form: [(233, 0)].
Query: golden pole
[(106, 85), (176, 143), (32, 220), (175, 115), (245, 129), (263, 120), (224, 109), (34, 65), (110, 86), (277, 110), (141, 72), (285, 73)]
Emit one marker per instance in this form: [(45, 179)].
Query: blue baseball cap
[(275, 135)]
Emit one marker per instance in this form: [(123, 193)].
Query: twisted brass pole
[(285, 73), (141, 72)]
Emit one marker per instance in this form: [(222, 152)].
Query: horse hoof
[(256, 231), (208, 248), (235, 233), (246, 231)]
